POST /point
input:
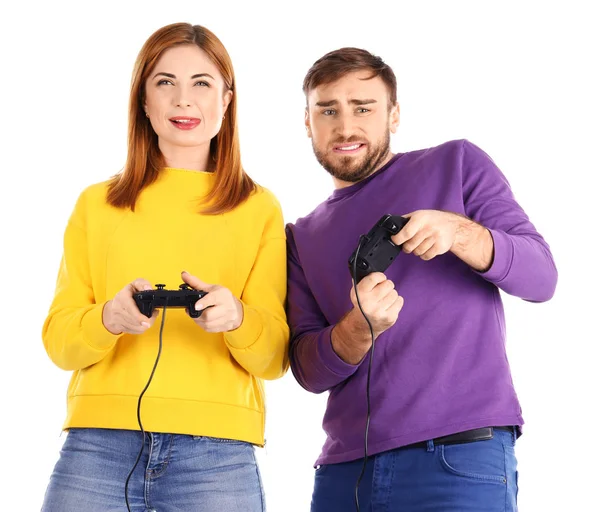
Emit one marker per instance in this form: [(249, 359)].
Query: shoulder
[(263, 198), (95, 192), (459, 156), (91, 203), (261, 211), (308, 224), (449, 149)]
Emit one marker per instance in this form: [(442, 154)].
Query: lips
[(184, 123), (348, 148)]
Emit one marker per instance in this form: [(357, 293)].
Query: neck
[(338, 183), (193, 158)]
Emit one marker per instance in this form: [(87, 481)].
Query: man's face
[(349, 122)]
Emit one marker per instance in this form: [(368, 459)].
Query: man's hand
[(222, 311), (351, 338), (430, 233)]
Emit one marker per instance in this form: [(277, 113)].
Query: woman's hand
[(121, 314), (222, 311)]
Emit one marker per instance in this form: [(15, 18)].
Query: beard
[(350, 168)]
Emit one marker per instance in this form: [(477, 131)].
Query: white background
[(518, 79)]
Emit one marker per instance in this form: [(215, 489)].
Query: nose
[(344, 126), (181, 98)]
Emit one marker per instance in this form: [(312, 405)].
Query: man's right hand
[(351, 337), (121, 314)]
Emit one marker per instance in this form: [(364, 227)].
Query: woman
[(182, 210)]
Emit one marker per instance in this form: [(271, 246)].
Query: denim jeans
[(473, 477), (176, 473)]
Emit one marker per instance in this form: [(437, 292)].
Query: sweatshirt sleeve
[(260, 344), (73, 333), (314, 363), (522, 265)]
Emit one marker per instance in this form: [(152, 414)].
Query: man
[(444, 415)]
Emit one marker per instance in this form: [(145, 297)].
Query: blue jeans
[(176, 473), (473, 477)]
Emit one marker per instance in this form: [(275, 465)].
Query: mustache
[(349, 140)]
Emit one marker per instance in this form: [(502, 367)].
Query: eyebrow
[(331, 103), (171, 75)]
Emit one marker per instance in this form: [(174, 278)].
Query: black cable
[(139, 404), (371, 352)]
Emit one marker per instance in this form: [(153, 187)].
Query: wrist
[(351, 339), (462, 230), (106, 319), (239, 305)]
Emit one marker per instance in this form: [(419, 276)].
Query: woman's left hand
[(222, 311)]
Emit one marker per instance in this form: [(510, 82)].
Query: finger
[(214, 298), (371, 281), (213, 313), (397, 306), (140, 285), (134, 327), (150, 321), (128, 310), (382, 290), (414, 242), (431, 253), (195, 282), (411, 228), (386, 302), (216, 325), (424, 246)]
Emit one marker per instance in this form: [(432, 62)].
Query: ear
[(307, 123), (395, 117), (227, 97)]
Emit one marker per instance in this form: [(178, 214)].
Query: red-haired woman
[(182, 210)]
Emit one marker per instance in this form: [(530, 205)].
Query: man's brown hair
[(334, 65)]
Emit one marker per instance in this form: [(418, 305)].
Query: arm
[(260, 343), (521, 264), (473, 244), (73, 333), (314, 363)]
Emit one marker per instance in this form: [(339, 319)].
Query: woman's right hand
[(121, 314)]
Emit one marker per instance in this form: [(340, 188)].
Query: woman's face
[(186, 98)]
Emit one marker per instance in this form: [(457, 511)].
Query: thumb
[(195, 282)]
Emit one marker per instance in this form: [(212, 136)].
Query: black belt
[(468, 436)]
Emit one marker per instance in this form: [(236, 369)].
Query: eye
[(328, 112), (362, 110), (202, 83), (164, 81)]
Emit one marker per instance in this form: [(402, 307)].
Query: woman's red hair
[(232, 185)]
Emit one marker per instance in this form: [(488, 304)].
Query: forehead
[(187, 60), (355, 85)]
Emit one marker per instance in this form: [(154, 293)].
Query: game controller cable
[(139, 405), (354, 280), (379, 251)]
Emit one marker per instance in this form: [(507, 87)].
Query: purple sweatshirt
[(442, 368)]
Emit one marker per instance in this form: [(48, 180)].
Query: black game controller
[(377, 251), (147, 301)]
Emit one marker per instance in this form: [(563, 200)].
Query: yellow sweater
[(205, 384)]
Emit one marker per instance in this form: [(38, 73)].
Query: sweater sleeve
[(314, 363), (260, 344), (73, 333), (522, 265)]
